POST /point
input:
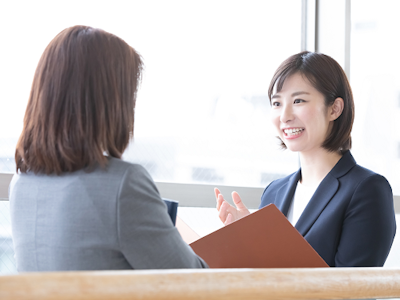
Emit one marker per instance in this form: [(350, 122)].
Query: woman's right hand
[(228, 213)]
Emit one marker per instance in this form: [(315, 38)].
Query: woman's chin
[(292, 146), (293, 149)]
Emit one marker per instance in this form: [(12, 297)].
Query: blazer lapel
[(324, 193), (284, 195)]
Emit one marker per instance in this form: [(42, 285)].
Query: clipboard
[(263, 239)]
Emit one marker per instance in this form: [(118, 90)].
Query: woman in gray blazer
[(75, 205)]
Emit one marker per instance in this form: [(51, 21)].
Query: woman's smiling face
[(300, 115)]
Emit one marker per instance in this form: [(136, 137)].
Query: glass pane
[(209, 122), (376, 85), (202, 109)]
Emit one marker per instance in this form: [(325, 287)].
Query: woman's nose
[(286, 114)]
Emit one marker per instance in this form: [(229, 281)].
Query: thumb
[(238, 202)]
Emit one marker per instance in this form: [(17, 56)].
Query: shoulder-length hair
[(81, 105), (326, 75)]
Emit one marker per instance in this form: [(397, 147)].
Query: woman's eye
[(299, 101), (275, 103)]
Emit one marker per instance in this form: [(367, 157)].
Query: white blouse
[(301, 198)]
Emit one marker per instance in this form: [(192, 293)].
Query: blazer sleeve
[(147, 237), (369, 225)]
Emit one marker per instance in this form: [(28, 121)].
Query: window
[(203, 101), (376, 86)]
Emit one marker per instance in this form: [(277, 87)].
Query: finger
[(217, 192), (225, 209), (220, 200), (238, 201), (229, 219)]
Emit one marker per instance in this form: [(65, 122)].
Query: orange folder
[(263, 239)]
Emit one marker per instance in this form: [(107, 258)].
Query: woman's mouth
[(292, 132)]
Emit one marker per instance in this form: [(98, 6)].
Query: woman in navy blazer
[(348, 217)]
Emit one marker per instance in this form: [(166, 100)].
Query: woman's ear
[(336, 109)]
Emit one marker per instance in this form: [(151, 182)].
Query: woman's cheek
[(275, 122)]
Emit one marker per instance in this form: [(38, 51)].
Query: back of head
[(81, 105), (327, 76)]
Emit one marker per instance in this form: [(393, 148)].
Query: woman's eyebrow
[(300, 93), (293, 95)]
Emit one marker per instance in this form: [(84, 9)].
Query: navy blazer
[(350, 219)]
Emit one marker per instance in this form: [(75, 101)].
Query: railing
[(197, 195), (332, 283)]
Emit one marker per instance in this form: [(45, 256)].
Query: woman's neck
[(315, 166)]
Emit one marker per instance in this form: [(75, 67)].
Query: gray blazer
[(103, 220)]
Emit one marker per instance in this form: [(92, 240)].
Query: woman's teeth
[(293, 131)]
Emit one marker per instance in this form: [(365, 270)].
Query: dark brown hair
[(326, 75), (81, 105)]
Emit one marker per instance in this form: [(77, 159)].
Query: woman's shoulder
[(128, 173), (349, 173), (361, 175), (116, 165), (114, 173), (270, 192), (363, 184), (280, 182), (284, 180)]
